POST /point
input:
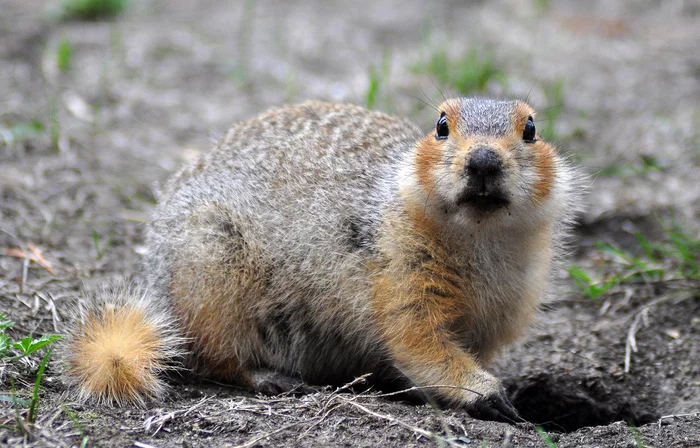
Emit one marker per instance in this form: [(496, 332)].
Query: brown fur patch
[(209, 286), (205, 301), (118, 355), (519, 117), (415, 315), (421, 224), (230, 371), (451, 109), (428, 156), (545, 167), (418, 303)]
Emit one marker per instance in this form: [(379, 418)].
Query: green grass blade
[(373, 88), (646, 246), (64, 56), (34, 405), (545, 437), (5, 324)]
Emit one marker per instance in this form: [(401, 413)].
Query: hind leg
[(263, 380), (259, 379), (216, 279), (270, 382)]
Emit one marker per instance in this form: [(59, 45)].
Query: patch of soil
[(147, 91), (582, 381)]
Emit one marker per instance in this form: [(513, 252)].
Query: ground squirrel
[(319, 242)]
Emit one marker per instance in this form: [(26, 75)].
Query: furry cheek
[(544, 168)]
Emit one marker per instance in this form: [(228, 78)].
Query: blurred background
[(144, 84), (101, 100)]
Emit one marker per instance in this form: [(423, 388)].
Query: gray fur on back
[(304, 187), (295, 204)]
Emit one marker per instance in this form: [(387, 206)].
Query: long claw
[(495, 407)]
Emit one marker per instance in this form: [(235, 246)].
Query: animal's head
[(485, 161)]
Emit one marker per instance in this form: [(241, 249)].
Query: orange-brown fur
[(427, 158), (106, 356), (545, 170), (209, 321), (416, 307), (119, 348)]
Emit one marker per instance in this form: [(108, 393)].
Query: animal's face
[(485, 159)]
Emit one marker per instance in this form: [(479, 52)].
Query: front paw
[(491, 402), (494, 406)]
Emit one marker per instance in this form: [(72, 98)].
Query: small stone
[(672, 333)]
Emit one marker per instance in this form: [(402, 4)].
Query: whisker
[(428, 98), (545, 119), (550, 108), (424, 102), (438, 88), (427, 198), (527, 98)]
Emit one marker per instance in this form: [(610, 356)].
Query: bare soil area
[(83, 148)]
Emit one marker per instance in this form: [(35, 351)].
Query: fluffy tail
[(119, 348)]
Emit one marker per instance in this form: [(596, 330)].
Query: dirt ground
[(150, 89)]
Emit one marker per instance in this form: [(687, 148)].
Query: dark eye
[(441, 130), (529, 131)]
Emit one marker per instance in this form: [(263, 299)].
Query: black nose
[(484, 162)]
